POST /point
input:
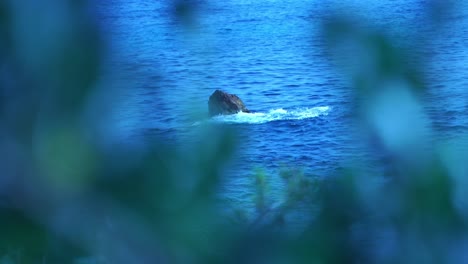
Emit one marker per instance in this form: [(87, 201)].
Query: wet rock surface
[(222, 103)]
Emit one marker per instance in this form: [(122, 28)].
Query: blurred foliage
[(66, 199)]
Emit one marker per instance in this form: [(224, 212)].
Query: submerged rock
[(222, 103)]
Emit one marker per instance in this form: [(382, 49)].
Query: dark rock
[(222, 103)]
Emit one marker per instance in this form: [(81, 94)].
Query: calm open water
[(271, 54)]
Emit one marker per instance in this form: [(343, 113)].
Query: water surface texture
[(271, 54)]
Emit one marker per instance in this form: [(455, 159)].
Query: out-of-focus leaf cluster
[(64, 198)]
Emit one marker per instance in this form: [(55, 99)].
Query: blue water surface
[(272, 55)]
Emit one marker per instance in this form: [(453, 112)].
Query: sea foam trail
[(272, 115)]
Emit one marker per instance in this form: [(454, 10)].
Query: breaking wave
[(272, 115)]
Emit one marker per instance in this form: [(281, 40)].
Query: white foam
[(273, 115)]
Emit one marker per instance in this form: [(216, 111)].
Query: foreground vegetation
[(67, 197)]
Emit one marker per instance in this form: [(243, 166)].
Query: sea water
[(271, 54)]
